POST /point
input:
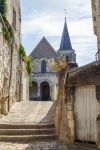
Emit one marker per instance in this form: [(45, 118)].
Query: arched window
[(43, 66), (67, 58)]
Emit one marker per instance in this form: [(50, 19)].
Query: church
[(44, 76)]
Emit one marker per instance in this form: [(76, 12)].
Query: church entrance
[(45, 91), (33, 91)]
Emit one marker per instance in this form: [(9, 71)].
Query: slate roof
[(65, 40), (43, 50), (85, 75)]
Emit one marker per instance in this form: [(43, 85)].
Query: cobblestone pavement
[(36, 146), (53, 145)]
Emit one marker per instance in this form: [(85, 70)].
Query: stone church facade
[(11, 89), (44, 76)]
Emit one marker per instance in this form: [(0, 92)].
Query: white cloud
[(50, 23)]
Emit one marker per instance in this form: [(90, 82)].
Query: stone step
[(27, 131), (27, 138), (26, 126)]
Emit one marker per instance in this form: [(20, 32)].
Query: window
[(43, 66), (67, 58), (14, 18)]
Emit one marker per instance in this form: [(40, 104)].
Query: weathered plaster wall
[(64, 119), (15, 4), (9, 82), (52, 80), (24, 83), (37, 65), (11, 77)]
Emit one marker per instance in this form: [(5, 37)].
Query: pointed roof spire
[(65, 40)]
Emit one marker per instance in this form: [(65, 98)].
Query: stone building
[(45, 79), (10, 76), (78, 102), (66, 49)]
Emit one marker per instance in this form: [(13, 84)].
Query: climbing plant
[(8, 34), (3, 7), (8, 31), (25, 58), (22, 52)]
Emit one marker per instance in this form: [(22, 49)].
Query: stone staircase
[(27, 133), (27, 122)]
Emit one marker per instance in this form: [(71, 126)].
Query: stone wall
[(14, 5), (37, 65), (7, 77), (24, 83), (10, 76), (51, 78), (64, 119), (65, 116)]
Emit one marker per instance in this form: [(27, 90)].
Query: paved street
[(24, 113), (30, 112), (36, 146)]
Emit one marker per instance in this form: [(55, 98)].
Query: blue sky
[(46, 18)]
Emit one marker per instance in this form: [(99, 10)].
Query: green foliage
[(8, 32), (26, 59), (22, 52), (29, 66), (3, 7)]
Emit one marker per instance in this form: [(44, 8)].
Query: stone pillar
[(52, 92), (70, 115), (39, 93)]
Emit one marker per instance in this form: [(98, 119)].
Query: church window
[(43, 66), (14, 18), (67, 58)]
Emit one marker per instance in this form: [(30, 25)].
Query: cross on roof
[(65, 10)]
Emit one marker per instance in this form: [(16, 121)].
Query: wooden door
[(85, 113)]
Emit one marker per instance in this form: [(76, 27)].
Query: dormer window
[(14, 18), (43, 66)]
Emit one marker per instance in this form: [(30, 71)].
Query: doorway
[(85, 113), (45, 91)]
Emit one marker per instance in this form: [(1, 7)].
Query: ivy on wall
[(8, 31), (26, 59), (8, 34), (3, 7)]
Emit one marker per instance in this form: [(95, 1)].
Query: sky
[(46, 18)]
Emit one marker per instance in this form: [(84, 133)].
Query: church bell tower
[(66, 49)]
